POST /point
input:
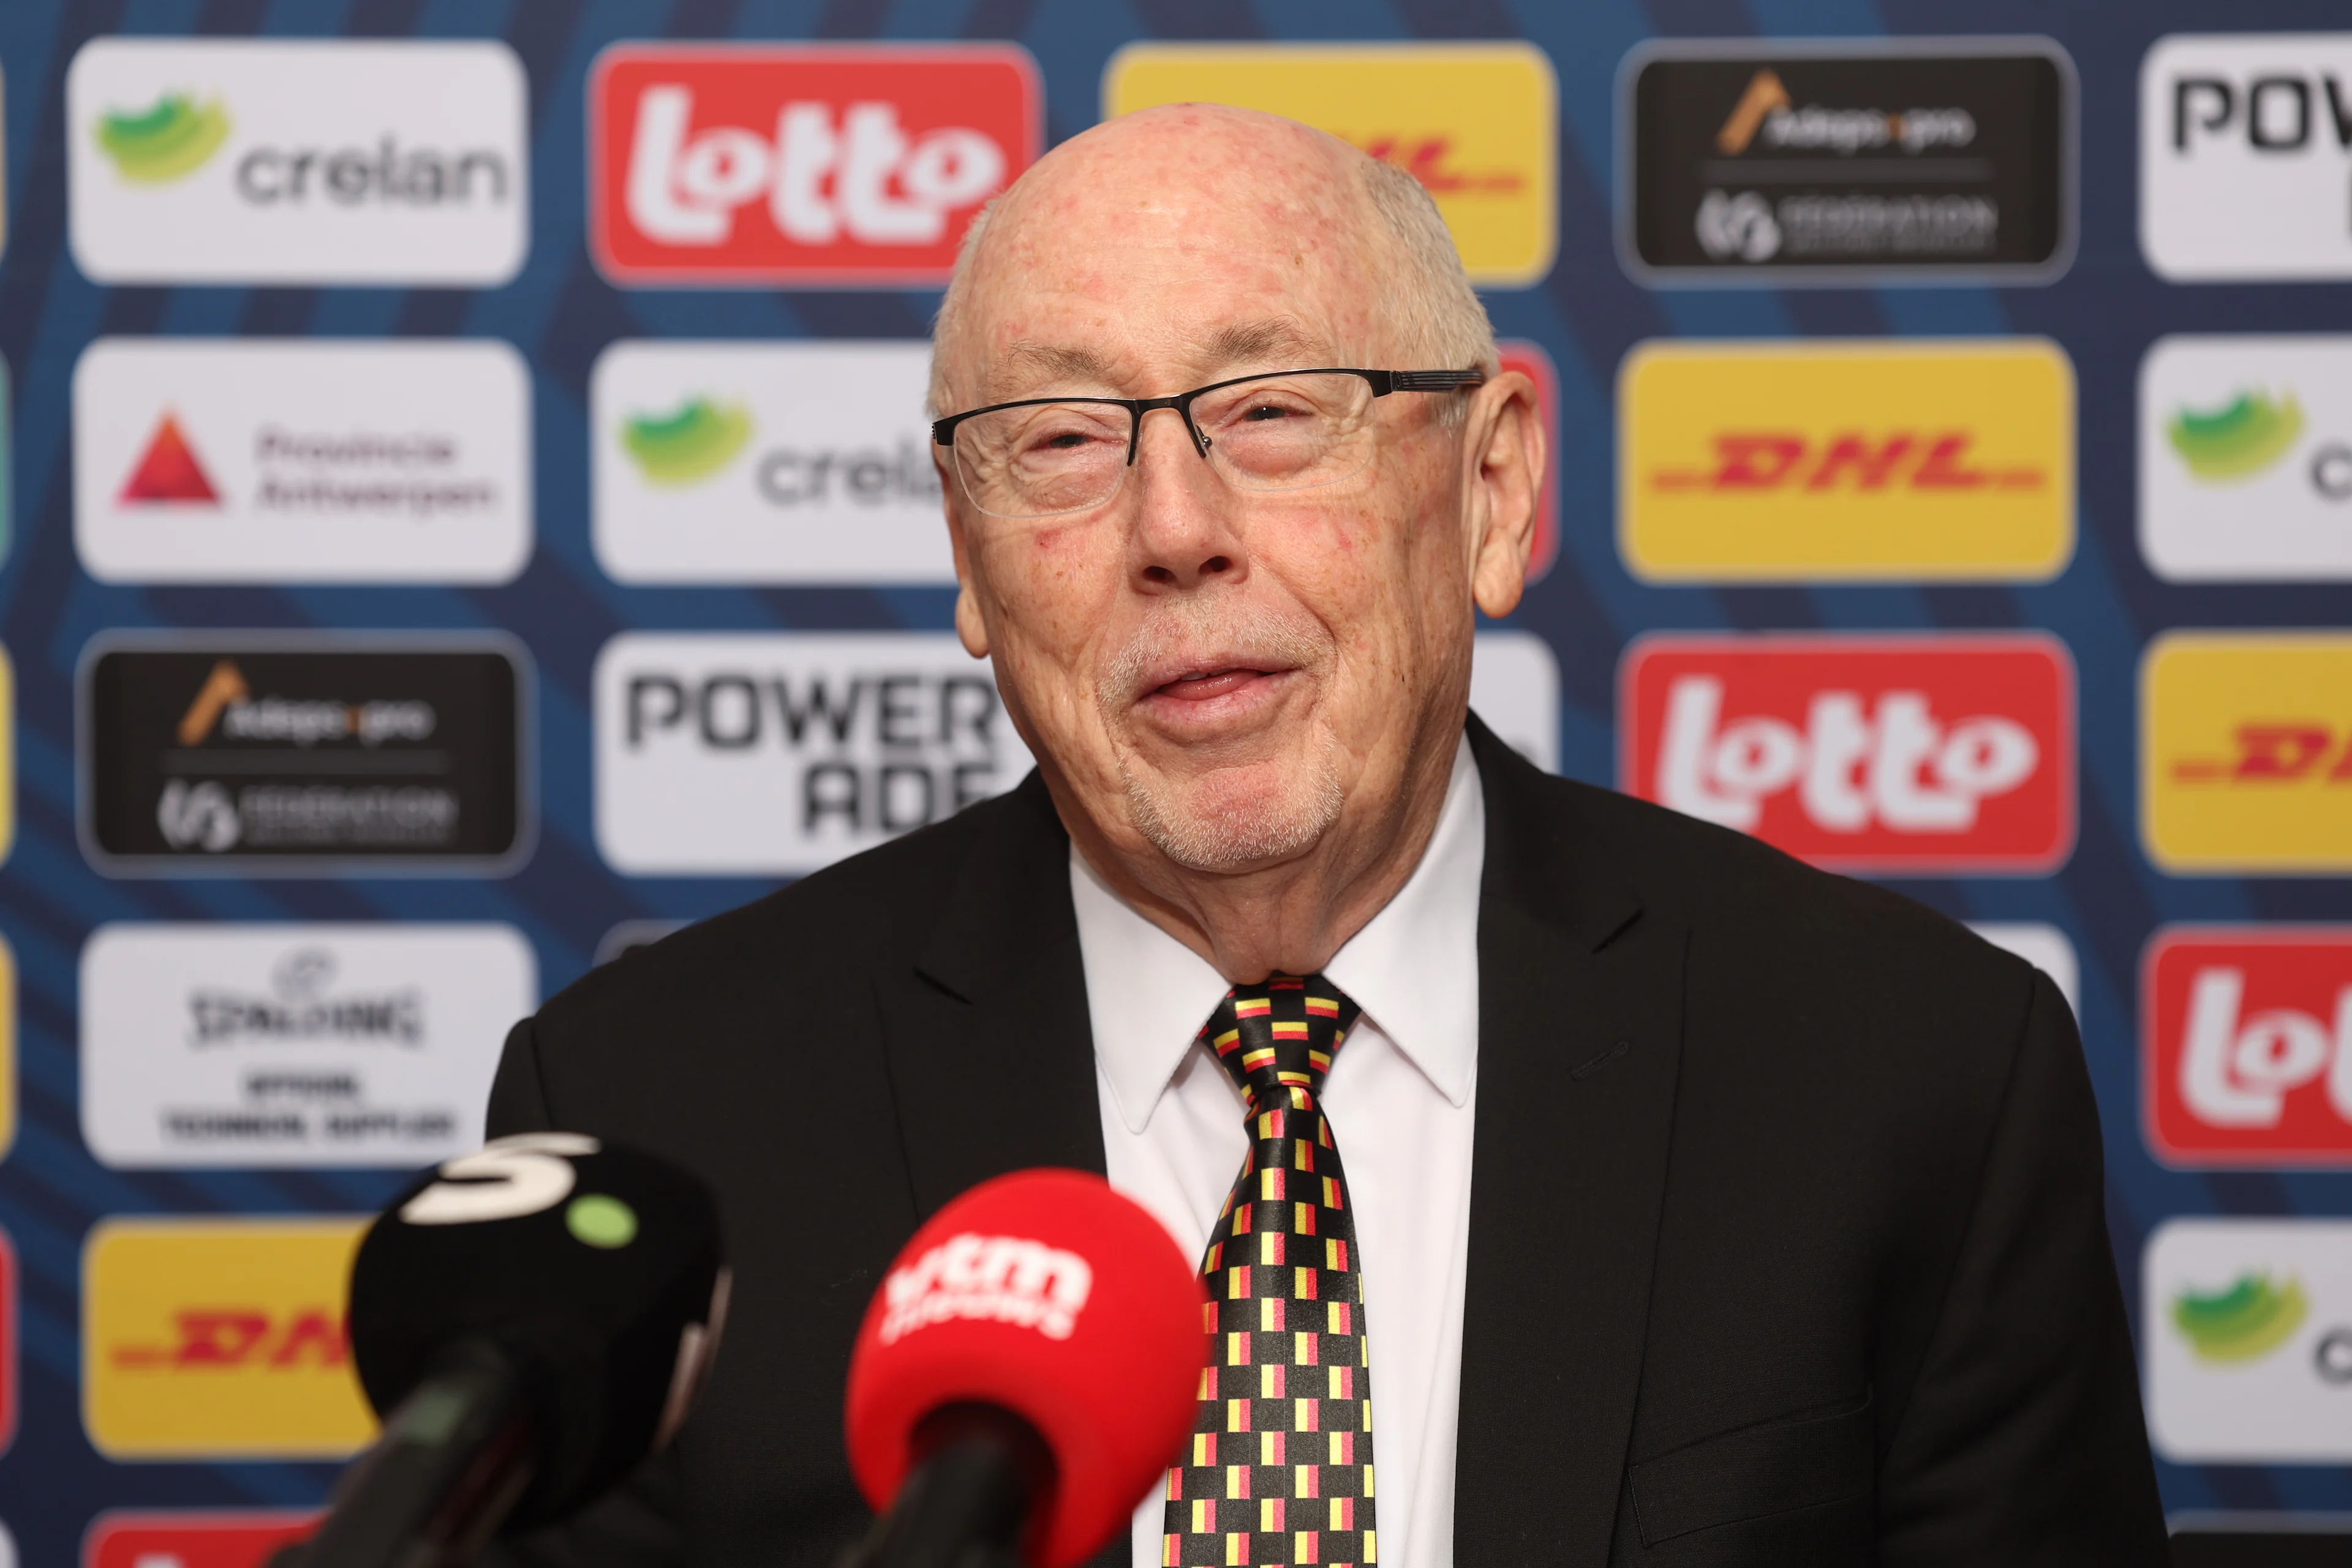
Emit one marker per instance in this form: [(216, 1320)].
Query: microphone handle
[(983, 1474), (454, 1459)]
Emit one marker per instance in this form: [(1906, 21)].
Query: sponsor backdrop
[(466, 509)]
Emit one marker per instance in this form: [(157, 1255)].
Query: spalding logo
[(1001, 1278)]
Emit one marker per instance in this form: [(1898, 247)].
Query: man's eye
[(1264, 411), (1069, 440)]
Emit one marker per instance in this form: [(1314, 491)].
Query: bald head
[(1195, 180)]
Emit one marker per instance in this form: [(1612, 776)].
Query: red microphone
[(1025, 1376)]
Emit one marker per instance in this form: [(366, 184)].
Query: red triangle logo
[(170, 472)]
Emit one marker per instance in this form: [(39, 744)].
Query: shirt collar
[(1414, 968)]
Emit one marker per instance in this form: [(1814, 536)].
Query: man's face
[(1216, 675)]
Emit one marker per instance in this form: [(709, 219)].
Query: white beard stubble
[(1232, 836)]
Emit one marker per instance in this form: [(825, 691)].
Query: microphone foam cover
[(1048, 1294)]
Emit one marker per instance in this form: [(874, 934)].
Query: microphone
[(1027, 1373), (530, 1321)]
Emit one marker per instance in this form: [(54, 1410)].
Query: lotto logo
[(2246, 757), (994, 1278), (807, 165), (2246, 1045), (1867, 753), (199, 1537)]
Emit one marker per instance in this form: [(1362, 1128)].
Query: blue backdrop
[(561, 313)]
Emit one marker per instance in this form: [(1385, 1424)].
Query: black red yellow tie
[(1280, 1469)]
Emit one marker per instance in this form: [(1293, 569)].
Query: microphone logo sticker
[(988, 1279)]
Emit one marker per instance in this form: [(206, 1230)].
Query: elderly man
[(1672, 1203)]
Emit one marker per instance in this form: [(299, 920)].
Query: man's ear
[(1503, 464), (970, 626)]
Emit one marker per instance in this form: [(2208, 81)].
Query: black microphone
[(530, 1321)]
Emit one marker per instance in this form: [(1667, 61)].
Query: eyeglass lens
[(1276, 433)]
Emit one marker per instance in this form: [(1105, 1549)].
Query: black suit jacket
[(1786, 1241)]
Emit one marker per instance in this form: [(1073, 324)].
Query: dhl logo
[(1862, 461), (1915, 459), (1430, 159), (1474, 124), (217, 1339), (245, 1336), (2245, 764)]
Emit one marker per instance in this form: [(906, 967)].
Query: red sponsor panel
[(2246, 1045), (197, 1538), (804, 164), (1530, 358), (1874, 754)]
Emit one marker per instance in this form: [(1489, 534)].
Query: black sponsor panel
[(269, 755), (1831, 166)]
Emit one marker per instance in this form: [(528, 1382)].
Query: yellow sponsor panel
[(220, 1338), (1475, 123), (2246, 751), (1880, 461)]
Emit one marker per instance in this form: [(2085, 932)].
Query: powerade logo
[(689, 445), (297, 161), (2246, 1321), (2245, 142), (988, 1279), (2239, 439), (168, 142)]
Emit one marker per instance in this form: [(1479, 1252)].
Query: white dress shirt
[(1400, 1097)]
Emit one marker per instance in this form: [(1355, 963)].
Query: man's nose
[(1183, 531)]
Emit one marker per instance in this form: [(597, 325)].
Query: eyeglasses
[(1288, 430)]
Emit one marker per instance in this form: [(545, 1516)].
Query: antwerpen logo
[(168, 471)]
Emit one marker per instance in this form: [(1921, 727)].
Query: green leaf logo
[(2250, 1318), (166, 143), (691, 445), (2237, 441)]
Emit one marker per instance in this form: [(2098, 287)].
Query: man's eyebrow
[(1026, 365), (1277, 337)]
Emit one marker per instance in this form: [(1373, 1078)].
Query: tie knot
[(1277, 1038)]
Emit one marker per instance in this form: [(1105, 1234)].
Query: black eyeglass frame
[(1384, 382)]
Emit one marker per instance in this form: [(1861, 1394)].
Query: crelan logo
[(168, 142), (689, 445), (2243, 1322), (2238, 440)]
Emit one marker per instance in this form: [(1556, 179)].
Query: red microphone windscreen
[(1048, 1294)]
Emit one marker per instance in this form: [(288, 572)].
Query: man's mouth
[(1203, 685)]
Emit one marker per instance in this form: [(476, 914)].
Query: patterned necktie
[(1281, 1466)]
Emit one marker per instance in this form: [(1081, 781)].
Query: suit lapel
[(990, 1045), (1579, 1034)]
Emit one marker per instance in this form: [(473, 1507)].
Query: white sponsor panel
[(238, 460), (1515, 688), (2245, 156), (297, 161), (2246, 1339), (2045, 947), (2245, 457), (270, 1045), (766, 462), (775, 753)]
